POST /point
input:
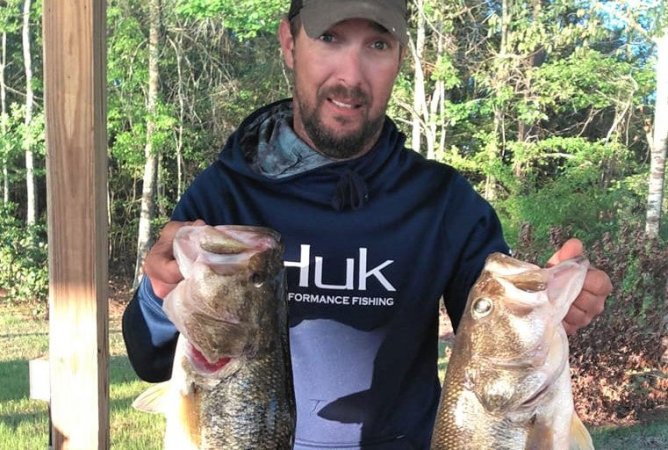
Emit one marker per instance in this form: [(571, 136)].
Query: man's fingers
[(598, 283), (576, 318), (160, 269), (169, 230), (596, 287), (590, 303), (571, 248), (160, 265), (570, 329)]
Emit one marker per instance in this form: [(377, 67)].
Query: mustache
[(355, 93)]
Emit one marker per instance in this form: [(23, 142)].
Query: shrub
[(24, 272), (592, 187), (619, 362)]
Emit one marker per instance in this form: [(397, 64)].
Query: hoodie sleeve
[(150, 337)]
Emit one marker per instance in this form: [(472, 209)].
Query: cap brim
[(319, 17)]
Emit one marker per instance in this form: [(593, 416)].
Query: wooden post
[(38, 374), (75, 101)]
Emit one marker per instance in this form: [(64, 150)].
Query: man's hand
[(160, 266), (591, 300)]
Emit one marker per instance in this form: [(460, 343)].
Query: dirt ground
[(120, 293)]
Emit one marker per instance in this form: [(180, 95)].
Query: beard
[(327, 141)]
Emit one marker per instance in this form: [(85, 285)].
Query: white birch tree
[(659, 140), (4, 117), (428, 93), (151, 163), (31, 191)]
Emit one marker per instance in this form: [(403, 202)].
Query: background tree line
[(554, 109)]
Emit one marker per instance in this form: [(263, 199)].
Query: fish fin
[(189, 407), (183, 431), (154, 399), (580, 438)]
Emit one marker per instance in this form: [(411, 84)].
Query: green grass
[(24, 422), (646, 436)]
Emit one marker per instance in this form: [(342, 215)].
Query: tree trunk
[(439, 93), (151, 165), (431, 111), (535, 58), (3, 121), (659, 143), (498, 143), (494, 153), (182, 118), (419, 101), (31, 192)]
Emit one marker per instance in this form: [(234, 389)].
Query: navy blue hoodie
[(371, 246)]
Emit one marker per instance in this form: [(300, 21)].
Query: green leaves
[(244, 19), (10, 16), (584, 79), (23, 258), (592, 192), (445, 70)]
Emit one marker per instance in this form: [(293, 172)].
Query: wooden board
[(75, 102)]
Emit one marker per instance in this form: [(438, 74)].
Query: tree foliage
[(543, 105), (246, 20)]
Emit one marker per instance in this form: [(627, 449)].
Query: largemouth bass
[(507, 385), (231, 385)]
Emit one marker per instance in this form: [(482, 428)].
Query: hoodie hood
[(266, 149)]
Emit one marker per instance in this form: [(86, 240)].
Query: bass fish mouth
[(202, 364), (535, 398)]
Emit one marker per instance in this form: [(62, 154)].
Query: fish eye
[(257, 279), (482, 306)]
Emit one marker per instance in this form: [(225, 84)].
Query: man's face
[(343, 81)]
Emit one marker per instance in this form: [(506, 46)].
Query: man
[(374, 234)]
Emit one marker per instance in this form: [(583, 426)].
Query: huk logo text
[(363, 272)]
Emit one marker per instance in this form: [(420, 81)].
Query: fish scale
[(251, 408)]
